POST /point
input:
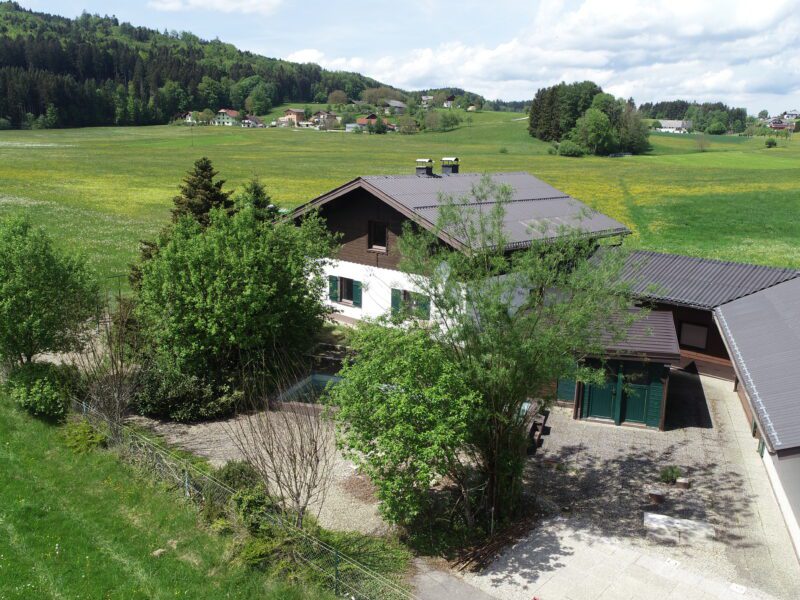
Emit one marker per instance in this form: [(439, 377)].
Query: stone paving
[(594, 476)]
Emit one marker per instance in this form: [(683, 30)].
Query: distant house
[(252, 121), (227, 117), (778, 124), (472, 108), (371, 119), (185, 117), (791, 114), (675, 125), (448, 102), (394, 107), (325, 119), (426, 101), (352, 127), (295, 115)]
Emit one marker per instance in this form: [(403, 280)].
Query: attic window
[(378, 237)]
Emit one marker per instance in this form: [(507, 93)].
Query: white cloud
[(263, 7), (744, 53)]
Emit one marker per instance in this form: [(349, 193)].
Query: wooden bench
[(538, 421)]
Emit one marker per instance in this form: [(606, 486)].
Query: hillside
[(60, 72)]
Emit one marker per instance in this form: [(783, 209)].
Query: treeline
[(59, 72), (585, 120), (711, 117)]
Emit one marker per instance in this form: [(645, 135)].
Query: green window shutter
[(357, 294), (397, 299), (423, 306), (333, 288), (566, 390)]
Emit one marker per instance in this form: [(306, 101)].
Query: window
[(693, 335), (378, 237), (344, 290), (412, 304)]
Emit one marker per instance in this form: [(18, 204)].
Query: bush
[(238, 475), (716, 128), (255, 509), (503, 150), (80, 436), (669, 474), (570, 148), (42, 389), (770, 142), (166, 393)]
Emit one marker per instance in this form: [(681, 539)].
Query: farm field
[(85, 526), (100, 190)]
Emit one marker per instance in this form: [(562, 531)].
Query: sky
[(743, 53)]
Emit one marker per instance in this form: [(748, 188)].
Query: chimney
[(450, 165), (425, 166)]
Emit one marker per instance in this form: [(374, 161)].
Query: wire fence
[(345, 576)]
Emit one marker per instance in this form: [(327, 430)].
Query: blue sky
[(745, 53)]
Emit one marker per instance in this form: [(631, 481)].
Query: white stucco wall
[(376, 288), (784, 475)]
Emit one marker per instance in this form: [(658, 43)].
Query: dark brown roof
[(651, 337), (762, 333), (697, 282), (537, 211)]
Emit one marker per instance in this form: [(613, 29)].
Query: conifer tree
[(200, 193)]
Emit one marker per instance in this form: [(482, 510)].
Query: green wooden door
[(634, 403), (600, 400)]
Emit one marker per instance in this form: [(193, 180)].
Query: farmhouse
[(295, 115), (778, 124), (448, 102), (733, 321), (252, 121), (675, 125), (394, 107), (226, 117), (791, 114), (426, 101)]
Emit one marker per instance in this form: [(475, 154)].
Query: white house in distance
[(674, 126), (791, 114), (226, 117)]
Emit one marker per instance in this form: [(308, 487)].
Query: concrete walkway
[(435, 584)]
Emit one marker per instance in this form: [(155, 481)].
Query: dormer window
[(378, 236)]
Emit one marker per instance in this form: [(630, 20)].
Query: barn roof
[(762, 332), (697, 282), (649, 337), (537, 210)]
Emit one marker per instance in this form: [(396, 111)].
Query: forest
[(93, 70)]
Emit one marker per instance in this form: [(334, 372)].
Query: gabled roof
[(697, 282), (297, 111), (762, 332), (537, 211), (229, 111), (649, 337)]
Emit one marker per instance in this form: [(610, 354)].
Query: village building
[(394, 107), (295, 115), (448, 102), (226, 117), (675, 125), (426, 101), (252, 121)]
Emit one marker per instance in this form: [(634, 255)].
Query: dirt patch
[(360, 488)]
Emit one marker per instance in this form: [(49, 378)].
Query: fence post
[(336, 572), (186, 482)]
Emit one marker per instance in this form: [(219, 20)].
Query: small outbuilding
[(637, 376)]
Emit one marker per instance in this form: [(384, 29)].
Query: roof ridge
[(715, 260), (764, 289)]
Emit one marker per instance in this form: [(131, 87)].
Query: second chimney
[(425, 166), (450, 165)]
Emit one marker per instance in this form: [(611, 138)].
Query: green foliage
[(103, 72), (42, 389), (254, 195), (594, 132), (770, 142), (212, 298), (404, 410), (716, 128), (570, 148), (669, 474), (166, 392), (237, 475), (200, 194), (555, 110), (503, 150), (46, 297), (81, 436)]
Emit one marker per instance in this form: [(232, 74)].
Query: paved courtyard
[(594, 477)]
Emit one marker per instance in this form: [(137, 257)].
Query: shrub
[(42, 389), (503, 150), (770, 142), (254, 509), (669, 474), (716, 128), (166, 393), (238, 475), (570, 148), (80, 436)]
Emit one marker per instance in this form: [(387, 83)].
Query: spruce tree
[(200, 193)]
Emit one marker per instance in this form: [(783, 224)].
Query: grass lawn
[(102, 189), (84, 526)]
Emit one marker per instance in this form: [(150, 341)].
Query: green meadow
[(85, 526), (100, 190)]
